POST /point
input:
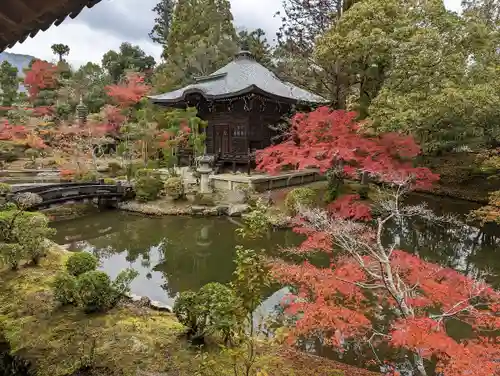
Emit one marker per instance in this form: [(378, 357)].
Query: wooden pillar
[(249, 161)]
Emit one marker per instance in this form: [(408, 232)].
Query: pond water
[(171, 254), (175, 254)]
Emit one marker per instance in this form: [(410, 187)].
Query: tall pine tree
[(163, 22), (9, 83), (201, 39)]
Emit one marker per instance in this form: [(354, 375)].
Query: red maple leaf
[(324, 139), (42, 75)]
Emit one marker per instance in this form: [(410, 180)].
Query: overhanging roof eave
[(252, 89)]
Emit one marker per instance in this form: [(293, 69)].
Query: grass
[(128, 340), (58, 340)]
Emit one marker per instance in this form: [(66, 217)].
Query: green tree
[(161, 29), (303, 21), (257, 44), (9, 83), (441, 83), (60, 50), (89, 83), (202, 38), (129, 57)]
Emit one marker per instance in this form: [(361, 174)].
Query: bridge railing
[(58, 193), (43, 188)]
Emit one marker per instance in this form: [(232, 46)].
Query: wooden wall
[(247, 124)]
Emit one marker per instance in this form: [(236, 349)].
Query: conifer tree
[(202, 38)]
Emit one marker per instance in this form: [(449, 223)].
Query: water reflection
[(171, 254), (470, 250), (176, 254)]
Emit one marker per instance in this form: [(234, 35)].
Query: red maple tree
[(328, 139), (130, 91), (372, 293), (41, 75), (9, 132)]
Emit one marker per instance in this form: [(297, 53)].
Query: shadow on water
[(176, 254)]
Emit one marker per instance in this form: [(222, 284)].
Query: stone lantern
[(205, 169)]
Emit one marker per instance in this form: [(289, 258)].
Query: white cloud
[(111, 22)]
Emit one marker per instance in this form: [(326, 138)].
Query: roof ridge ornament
[(244, 51), (210, 77)]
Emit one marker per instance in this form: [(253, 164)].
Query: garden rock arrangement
[(232, 210), (145, 302)]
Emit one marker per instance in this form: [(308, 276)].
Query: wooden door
[(222, 140)]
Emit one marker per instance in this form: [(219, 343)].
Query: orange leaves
[(323, 138), (42, 75), (35, 142), (10, 132), (422, 335), (129, 92), (429, 339)]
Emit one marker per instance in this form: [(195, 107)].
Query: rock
[(211, 211), (222, 209), (198, 210), (159, 306), (237, 210), (134, 298), (144, 301)]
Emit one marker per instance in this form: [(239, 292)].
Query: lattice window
[(239, 130)]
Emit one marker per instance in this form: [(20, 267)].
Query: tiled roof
[(241, 76), (20, 19)]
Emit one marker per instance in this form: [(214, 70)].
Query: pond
[(175, 254), (171, 254)]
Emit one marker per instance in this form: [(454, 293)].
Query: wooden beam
[(20, 19), (18, 11)]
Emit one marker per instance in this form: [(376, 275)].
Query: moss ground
[(128, 340)]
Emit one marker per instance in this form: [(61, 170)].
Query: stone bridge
[(60, 193)]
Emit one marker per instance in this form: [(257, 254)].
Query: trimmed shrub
[(218, 306), (174, 186), (185, 311), (299, 197), (147, 172), (30, 231), (94, 290), (81, 262), (148, 188), (64, 287), (89, 176), (5, 189), (109, 181), (115, 168)]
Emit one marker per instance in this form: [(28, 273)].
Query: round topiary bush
[(174, 186), (95, 292), (65, 288), (148, 188), (299, 197), (81, 262)]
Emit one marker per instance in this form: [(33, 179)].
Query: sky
[(111, 22)]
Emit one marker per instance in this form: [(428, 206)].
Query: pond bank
[(128, 340)]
